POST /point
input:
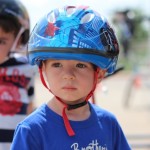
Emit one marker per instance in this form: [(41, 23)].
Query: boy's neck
[(78, 114)]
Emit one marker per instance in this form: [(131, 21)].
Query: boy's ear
[(101, 75)]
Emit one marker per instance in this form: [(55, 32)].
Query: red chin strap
[(68, 127)]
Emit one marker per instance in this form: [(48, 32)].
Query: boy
[(73, 47), (16, 75)]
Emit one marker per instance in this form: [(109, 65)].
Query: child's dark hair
[(94, 67), (9, 24)]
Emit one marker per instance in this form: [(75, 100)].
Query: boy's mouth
[(69, 88)]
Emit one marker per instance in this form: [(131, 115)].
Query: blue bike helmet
[(74, 33)]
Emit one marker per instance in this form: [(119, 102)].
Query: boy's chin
[(73, 101)]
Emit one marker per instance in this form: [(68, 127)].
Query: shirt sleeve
[(23, 139), (120, 141)]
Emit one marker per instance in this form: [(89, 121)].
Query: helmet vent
[(70, 10), (87, 18), (51, 17)]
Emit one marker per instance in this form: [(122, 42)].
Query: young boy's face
[(70, 80), (6, 42)]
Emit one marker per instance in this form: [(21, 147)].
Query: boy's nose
[(69, 77), (68, 74)]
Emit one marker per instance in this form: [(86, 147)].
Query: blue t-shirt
[(45, 130)]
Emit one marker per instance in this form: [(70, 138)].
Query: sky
[(37, 8)]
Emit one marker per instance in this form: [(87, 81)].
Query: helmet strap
[(14, 46), (68, 127)]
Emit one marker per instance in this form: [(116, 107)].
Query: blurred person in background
[(125, 25), (16, 75)]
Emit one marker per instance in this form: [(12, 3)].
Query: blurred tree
[(141, 32)]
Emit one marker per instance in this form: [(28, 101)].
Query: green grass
[(138, 55)]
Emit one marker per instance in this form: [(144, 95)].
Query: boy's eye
[(56, 64), (2, 42), (81, 65)]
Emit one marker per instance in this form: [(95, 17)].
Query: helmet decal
[(78, 33), (50, 30), (108, 39)]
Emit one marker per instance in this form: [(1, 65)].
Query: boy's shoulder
[(36, 118), (103, 113), (19, 64)]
